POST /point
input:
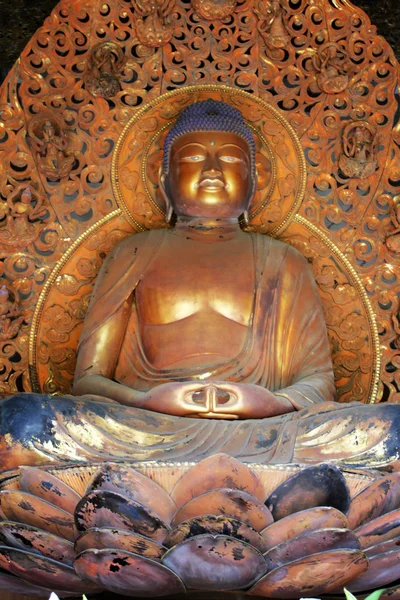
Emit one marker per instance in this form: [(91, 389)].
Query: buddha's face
[(209, 175)]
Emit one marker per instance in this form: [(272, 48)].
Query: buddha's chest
[(193, 281)]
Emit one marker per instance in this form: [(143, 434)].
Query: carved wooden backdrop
[(95, 63)]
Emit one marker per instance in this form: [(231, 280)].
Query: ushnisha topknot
[(209, 115)]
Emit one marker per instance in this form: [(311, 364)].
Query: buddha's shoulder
[(276, 248), (136, 244)]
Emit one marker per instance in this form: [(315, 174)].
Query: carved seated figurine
[(202, 338)]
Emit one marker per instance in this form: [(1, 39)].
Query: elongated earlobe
[(169, 213), (246, 216)]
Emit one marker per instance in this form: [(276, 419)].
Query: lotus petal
[(14, 585), (43, 571), (380, 497), (311, 576), (25, 508), (233, 503), (322, 517), (382, 569), (382, 547), (121, 540), (322, 485), (46, 486), (127, 573), (105, 509), (215, 525), (31, 539), (135, 486), (219, 562), (217, 471), (311, 542), (385, 527)]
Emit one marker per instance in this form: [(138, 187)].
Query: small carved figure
[(105, 63), (358, 159), (11, 316), (214, 9), (393, 237), (20, 216), (333, 65), (271, 25), (154, 26), (51, 144)]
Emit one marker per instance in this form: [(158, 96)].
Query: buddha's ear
[(162, 180), (263, 170)]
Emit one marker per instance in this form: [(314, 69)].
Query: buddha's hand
[(183, 399), (248, 401), (216, 400)]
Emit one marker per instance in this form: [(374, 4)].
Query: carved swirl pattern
[(359, 215)]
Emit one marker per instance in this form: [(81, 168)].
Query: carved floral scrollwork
[(333, 65), (50, 144), (358, 159), (214, 9), (154, 25), (271, 24), (102, 75)]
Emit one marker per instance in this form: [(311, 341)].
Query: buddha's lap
[(35, 429)]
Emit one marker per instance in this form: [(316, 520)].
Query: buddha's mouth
[(212, 184)]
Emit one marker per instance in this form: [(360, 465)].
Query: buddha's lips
[(212, 183)]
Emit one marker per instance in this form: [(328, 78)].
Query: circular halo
[(280, 159)]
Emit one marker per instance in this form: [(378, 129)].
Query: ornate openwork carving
[(357, 215)]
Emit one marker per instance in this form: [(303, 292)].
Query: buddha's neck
[(207, 229)]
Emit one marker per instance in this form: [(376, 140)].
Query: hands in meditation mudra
[(202, 338)]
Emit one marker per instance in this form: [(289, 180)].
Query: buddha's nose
[(211, 165)]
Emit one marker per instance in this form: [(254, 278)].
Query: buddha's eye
[(230, 159), (195, 158)]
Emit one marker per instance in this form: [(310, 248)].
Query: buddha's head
[(209, 163)]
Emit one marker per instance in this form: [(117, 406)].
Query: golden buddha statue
[(202, 338)]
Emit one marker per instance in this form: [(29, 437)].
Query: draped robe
[(286, 351)]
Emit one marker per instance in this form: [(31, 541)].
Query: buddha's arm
[(304, 364), (97, 359)]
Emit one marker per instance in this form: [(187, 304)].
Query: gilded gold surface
[(322, 89), (356, 215)]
